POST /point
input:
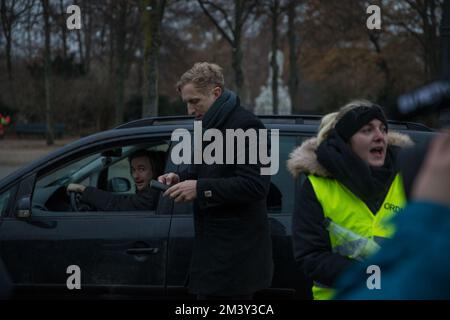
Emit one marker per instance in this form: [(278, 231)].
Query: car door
[(180, 240), (115, 254), (288, 281)]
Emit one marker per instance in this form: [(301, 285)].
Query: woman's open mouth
[(377, 151)]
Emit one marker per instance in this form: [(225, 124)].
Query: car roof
[(294, 120)]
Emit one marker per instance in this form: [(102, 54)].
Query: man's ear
[(217, 92)]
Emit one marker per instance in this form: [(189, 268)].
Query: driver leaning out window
[(144, 165)]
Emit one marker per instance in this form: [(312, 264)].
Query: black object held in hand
[(425, 100), (158, 185)]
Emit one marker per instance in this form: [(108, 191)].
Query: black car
[(140, 254)]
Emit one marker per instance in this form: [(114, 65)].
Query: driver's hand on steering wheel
[(74, 187)]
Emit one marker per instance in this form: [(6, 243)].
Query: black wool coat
[(232, 253)]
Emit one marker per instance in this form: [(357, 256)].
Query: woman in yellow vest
[(351, 192)]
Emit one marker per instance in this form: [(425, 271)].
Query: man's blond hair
[(203, 75)]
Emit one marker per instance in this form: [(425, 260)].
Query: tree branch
[(248, 11), (222, 11), (213, 20), (414, 34)]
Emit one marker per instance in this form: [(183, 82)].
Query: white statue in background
[(263, 102)]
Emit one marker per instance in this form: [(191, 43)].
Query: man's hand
[(433, 181), (169, 178), (183, 192), (73, 187)]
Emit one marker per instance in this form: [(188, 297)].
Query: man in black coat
[(232, 252)]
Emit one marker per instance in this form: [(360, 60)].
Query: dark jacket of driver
[(146, 199)]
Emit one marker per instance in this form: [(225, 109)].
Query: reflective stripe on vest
[(355, 232)]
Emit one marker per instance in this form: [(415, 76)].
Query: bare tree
[(84, 35), (293, 51), (230, 24), (152, 15), (420, 19), (47, 72), (445, 37), (121, 34), (275, 9), (62, 24), (387, 91), (87, 24), (10, 13)]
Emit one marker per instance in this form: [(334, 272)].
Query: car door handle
[(143, 251)]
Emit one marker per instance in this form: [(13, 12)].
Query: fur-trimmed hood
[(304, 159)]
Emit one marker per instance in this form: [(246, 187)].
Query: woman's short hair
[(203, 75)]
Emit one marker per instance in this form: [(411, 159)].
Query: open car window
[(97, 170)]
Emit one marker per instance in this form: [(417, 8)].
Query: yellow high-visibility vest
[(353, 229)]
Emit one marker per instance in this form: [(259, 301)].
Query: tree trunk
[(153, 12), (6, 26), (8, 57), (237, 67), (445, 41), (87, 35), (237, 55), (10, 74), (293, 70), (432, 49), (63, 28), (47, 74), (80, 47), (241, 10), (273, 61), (429, 38), (120, 63), (112, 36), (387, 92)]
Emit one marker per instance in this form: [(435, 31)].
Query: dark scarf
[(218, 113), (370, 184)]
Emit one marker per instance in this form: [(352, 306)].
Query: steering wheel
[(76, 205)]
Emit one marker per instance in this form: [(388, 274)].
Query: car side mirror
[(23, 208), (119, 185)]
